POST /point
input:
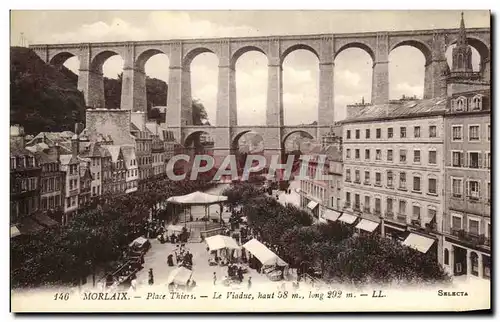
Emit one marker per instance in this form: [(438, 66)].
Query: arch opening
[(298, 142), (300, 87), (188, 58), (198, 142), (367, 49), (108, 66), (244, 144), (204, 87), (155, 65), (406, 80), (251, 87), (352, 80)]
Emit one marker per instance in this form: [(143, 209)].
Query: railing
[(389, 215), (472, 238), (416, 222), (401, 218), (366, 210), (366, 183), (376, 211)]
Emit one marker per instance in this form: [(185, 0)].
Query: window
[(446, 256), (367, 177), (402, 207), (348, 134), (488, 190), (477, 102), (416, 156), (367, 154), (431, 213), (378, 133), (432, 157), (378, 154), (12, 163), (416, 183), (473, 132), (367, 133), (389, 206), (456, 222), (357, 134), (432, 185), (473, 189), (93, 191), (456, 132), (432, 131), (378, 178), (356, 201), (30, 162), (367, 204), (98, 175), (402, 180), (357, 176), (390, 132), (457, 157), (348, 153), (474, 160), (489, 131), (389, 179), (416, 131), (348, 175), (402, 155), (402, 132), (377, 205), (456, 187), (474, 226), (356, 154), (416, 212), (389, 155), (348, 198)]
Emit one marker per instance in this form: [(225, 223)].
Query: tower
[(462, 53)]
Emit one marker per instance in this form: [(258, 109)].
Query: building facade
[(467, 214), (393, 170)]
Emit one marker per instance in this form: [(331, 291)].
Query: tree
[(200, 115)]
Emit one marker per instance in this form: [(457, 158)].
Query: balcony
[(389, 215), (378, 184), (473, 239), (366, 210), (431, 227), (356, 208), (376, 211), (347, 205), (401, 218), (357, 181), (416, 222), (366, 183)]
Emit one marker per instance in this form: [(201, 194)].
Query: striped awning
[(418, 242), (348, 219)]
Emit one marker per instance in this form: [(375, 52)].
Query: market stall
[(179, 276), (223, 247), (271, 264)]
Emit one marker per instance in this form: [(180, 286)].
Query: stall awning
[(263, 254), (219, 242), (331, 215), (14, 231), (348, 219), (312, 204), (28, 226), (418, 242), (45, 220), (367, 225), (174, 228), (197, 198), (139, 241)]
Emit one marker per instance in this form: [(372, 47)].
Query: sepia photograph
[(250, 161)]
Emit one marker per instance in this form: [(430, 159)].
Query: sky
[(353, 67)]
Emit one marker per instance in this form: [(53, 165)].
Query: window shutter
[(480, 160), (467, 188), (462, 159), (466, 159)]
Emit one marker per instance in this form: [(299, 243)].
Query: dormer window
[(477, 103), (460, 103)]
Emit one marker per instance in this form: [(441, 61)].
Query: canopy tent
[(367, 225), (418, 242), (174, 228), (197, 198), (263, 254), (180, 276), (219, 242), (139, 242)]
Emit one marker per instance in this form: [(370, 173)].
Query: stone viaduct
[(226, 132)]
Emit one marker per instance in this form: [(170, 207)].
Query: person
[(151, 277), (249, 282), (215, 278), (240, 274), (133, 283), (170, 260)]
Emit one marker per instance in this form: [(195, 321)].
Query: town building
[(25, 173), (132, 173), (70, 165), (467, 214), (393, 171)]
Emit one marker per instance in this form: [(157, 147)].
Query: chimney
[(17, 137), (54, 151), (75, 145)]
